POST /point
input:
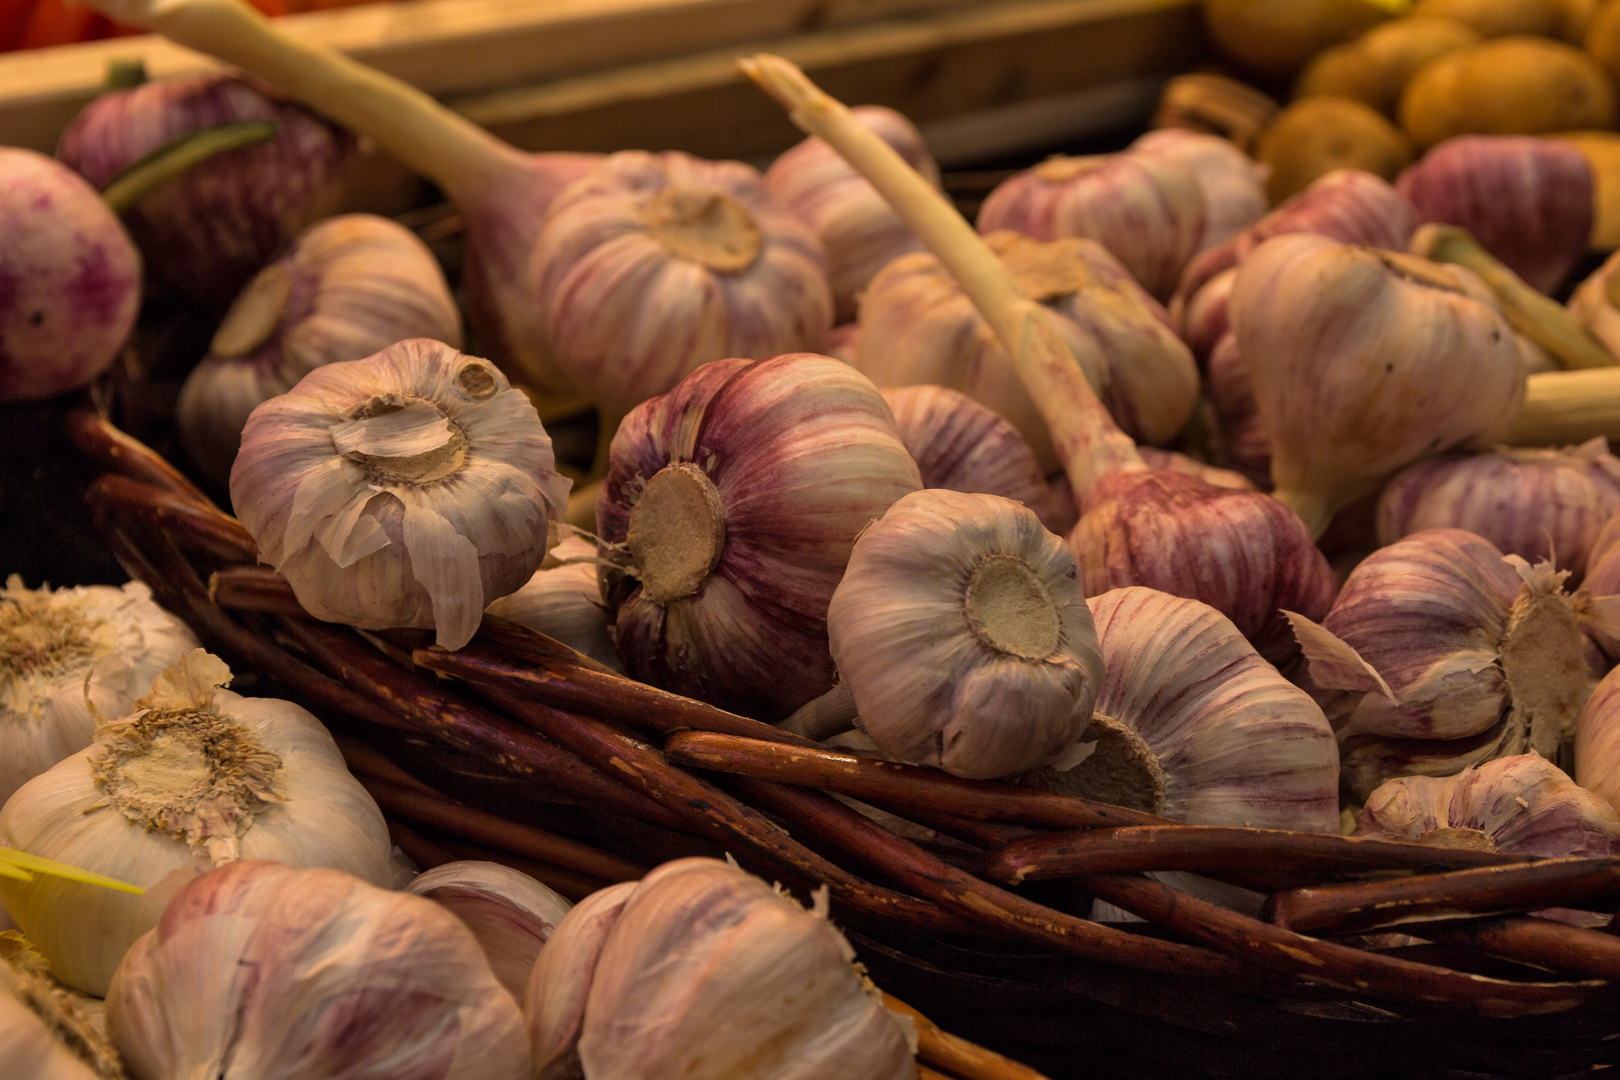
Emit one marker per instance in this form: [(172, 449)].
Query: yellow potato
[(1376, 67), (1496, 18), (1316, 135), (1276, 37), (1602, 150)]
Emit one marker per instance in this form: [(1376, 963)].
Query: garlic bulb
[(262, 972), (961, 632), (918, 326), (1230, 391), (1534, 503), (736, 498), (855, 224), (1522, 804), (563, 600), (1597, 740), (511, 914), (960, 445), (1215, 476), (704, 972), (406, 489), (1453, 654), (195, 777), (1528, 201), (841, 342), (71, 659), (653, 264), (1191, 723), (1595, 301), (1356, 356), (351, 286), (1233, 183), (45, 1035), (1147, 209)]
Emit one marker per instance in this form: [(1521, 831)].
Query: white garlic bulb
[(262, 972), (1233, 183), (195, 777), (1522, 804), (736, 498), (563, 600), (653, 264), (918, 326), (72, 659), (705, 972), (511, 914), (1191, 723), (351, 286), (1451, 655), (961, 445), (45, 1035), (856, 224), (410, 488), (962, 633)]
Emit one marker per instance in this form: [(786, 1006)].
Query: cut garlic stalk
[(1595, 305), (1565, 407), (407, 489), (259, 972), (195, 777), (564, 601), (511, 914), (961, 632), (45, 1034), (72, 659), (704, 972)]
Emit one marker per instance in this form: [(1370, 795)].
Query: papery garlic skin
[(564, 601), (261, 972), (266, 781), (70, 660), (511, 914), (1356, 356), (1531, 502), (654, 264), (1523, 804), (707, 973), (410, 488), (962, 633), (560, 981), (45, 1036), (917, 326), (1457, 654), (351, 286), (738, 496), (961, 445), (1191, 723), (858, 228), (1148, 210), (1595, 304), (1233, 183)]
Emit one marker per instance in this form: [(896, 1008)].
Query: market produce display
[(618, 643)]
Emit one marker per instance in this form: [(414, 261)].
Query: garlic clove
[(1234, 184), (565, 602), (406, 489), (560, 981), (257, 970), (511, 914), (961, 445), (960, 629), (861, 233), (44, 1032)]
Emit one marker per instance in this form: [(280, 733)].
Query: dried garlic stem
[(1563, 408), (1088, 442)]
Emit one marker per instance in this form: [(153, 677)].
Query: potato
[(1508, 86), (1316, 135), (1577, 16), (1603, 39), (1276, 37), (1377, 66), (1496, 18), (1602, 150)]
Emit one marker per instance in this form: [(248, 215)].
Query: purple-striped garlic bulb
[(1524, 805), (961, 633), (351, 286), (859, 230), (1146, 209), (345, 980), (841, 342), (1450, 654), (511, 914), (406, 489), (961, 445), (1537, 503), (918, 326), (1191, 723), (1203, 319), (1214, 475), (702, 971), (206, 232), (654, 264), (1527, 200), (1603, 564), (1597, 740), (1231, 394), (563, 600), (71, 279), (1233, 183), (1595, 304), (1356, 356), (735, 500)]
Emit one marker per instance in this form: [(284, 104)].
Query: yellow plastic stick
[(23, 867)]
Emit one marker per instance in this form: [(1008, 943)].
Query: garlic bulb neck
[(255, 315), (706, 227), (64, 1021), (1461, 839), (399, 439), (1122, 770), (677, 531), (1008, 608), (1046, 271)]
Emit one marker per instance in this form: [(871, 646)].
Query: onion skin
[(70, 279)]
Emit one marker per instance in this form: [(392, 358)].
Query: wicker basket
[(517, 728)]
